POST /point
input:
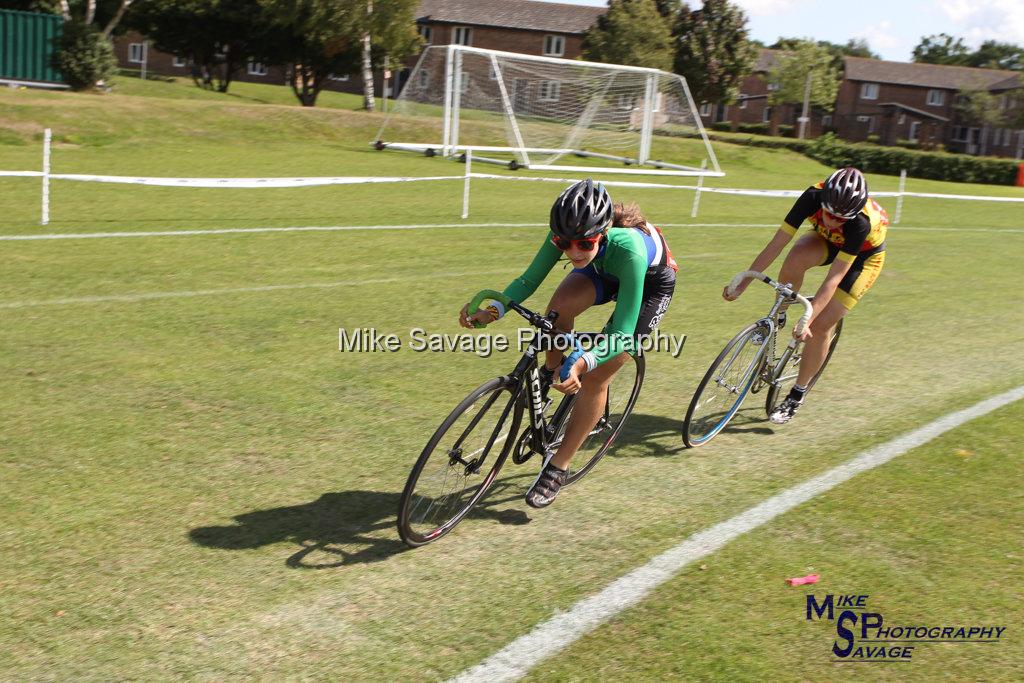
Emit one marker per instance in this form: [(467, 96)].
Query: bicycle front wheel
[(789, 367), (459, 463), (623, 391), (725, 385)]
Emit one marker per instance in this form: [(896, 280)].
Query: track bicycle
[(463, 457), (748, 364)]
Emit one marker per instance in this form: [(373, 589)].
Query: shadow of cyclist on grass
[(344, 528)]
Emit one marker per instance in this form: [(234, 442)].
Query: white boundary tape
[(557, 633)]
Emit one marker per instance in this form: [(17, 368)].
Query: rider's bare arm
[(836, 272)]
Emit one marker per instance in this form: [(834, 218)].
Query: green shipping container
[(26, 43)]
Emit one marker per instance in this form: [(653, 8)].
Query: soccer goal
[(525, 111)]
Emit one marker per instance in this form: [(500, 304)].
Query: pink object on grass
[(801, 580)]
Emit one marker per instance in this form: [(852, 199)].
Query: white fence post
[(465, 186), (700, 184), (47, 137), (899, 197)]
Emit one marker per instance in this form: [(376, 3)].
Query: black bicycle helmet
[(845, 193), (582, 210)]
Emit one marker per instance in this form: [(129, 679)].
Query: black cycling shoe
[(546, 487), (785, 411)]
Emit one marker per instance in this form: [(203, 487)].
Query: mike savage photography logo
[(866, 636), (371, 340)]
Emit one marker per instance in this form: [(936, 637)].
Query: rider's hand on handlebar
[(804, 335), (740, 288), (572, 383), (482, 317)]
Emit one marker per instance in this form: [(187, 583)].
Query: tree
[(319, 37), (791, 72), (995, 55), (854, 47), (978, 107), (84, 56), (941, 49), (218, 36), (712, 50), (632, 32)]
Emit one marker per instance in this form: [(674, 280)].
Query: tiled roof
[(927, 75), (767, 59), (520, 14)]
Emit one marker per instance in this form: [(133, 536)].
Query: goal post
[(533, 111)]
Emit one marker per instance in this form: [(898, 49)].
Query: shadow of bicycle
[(660, 436), (347, 527)]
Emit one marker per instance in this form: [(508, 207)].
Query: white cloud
[(762, 8), (881, 38), (989, 20)]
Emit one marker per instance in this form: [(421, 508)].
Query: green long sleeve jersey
[(626, 255)]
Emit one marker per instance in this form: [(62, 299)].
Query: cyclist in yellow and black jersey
[(849, 236)]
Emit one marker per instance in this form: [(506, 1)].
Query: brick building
[(899, 101), (890, 103), (523, 26), (885, 101)]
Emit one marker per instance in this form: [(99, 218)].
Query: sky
[(891, 27)]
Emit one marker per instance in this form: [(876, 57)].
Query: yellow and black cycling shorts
[(858, 280)]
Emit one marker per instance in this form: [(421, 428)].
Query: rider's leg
[(816, 348), (587, 409), (857, 282), (576, 294), (808, 252)]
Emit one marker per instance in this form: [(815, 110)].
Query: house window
[(550, 91), (491, 73), (626, 102), (179, 61), (901, 119), (705, 109), (915, 128), (869, 91), (256, 68), (424, 78), (826, 120), (870, 120), (936, 98), (767, 114), (462, 35), (425, 33), (554, 46), (464, 85), (336, 77), (960, 133), (135, 53), (743, 102)]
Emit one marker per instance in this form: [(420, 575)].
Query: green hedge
[(959, 168), (933, 165)]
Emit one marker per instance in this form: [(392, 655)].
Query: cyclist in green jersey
[(616, 256)]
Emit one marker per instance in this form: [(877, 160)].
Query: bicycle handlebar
[(542, 322), (782, 289)]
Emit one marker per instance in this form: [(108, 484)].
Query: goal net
[(530, 112)]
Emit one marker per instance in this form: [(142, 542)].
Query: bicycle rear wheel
[(452, 473), (623, 391), (788, 368), (725, 385)]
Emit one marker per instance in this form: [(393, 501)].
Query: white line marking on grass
[(236, 231), (423, 226), (547, 638), (149, 296)]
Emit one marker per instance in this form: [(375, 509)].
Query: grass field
[(198, 484)]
